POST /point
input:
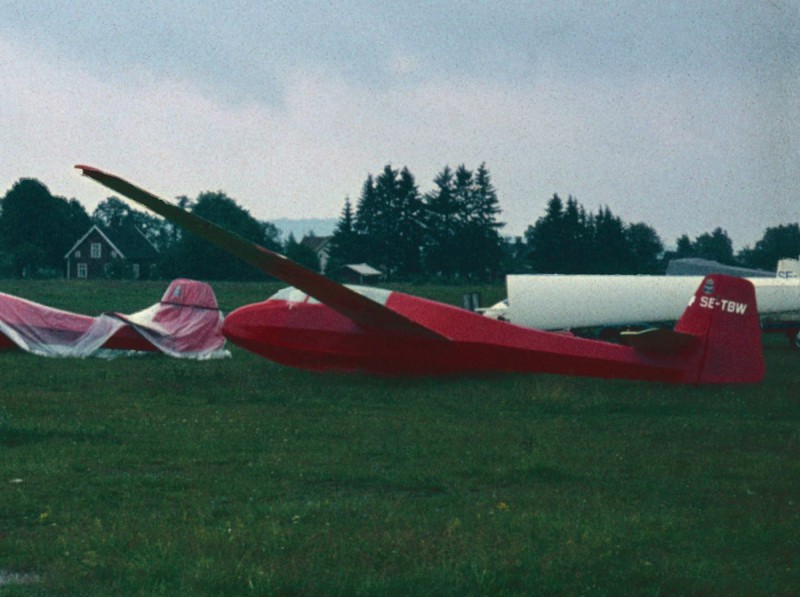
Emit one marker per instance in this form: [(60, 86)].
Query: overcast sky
[(684, 115)]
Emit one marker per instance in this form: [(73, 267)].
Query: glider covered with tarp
[(185, 323)]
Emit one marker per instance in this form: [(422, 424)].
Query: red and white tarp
[(185, 323)]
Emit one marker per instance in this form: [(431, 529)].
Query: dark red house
[(105, 253)]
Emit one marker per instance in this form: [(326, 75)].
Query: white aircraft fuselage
[(554, 302)]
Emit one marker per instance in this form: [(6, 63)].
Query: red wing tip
[(88, 168)]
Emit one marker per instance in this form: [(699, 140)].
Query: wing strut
[(360, 309)]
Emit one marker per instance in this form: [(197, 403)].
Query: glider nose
[(256, 324), (239, 326)]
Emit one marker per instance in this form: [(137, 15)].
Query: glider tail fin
[(723, 315)]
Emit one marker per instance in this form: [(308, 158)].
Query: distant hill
[(319, 226)]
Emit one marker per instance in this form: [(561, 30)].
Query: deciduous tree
[(37, 229), (195, 258), (778, 242), (115, 213), (302, 254), (716, 246)]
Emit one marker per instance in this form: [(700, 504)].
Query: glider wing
[(363, 311)]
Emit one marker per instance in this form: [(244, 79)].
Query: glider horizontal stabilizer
[(360, 309), (657, 340)]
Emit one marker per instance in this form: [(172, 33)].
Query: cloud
[(682, 121)]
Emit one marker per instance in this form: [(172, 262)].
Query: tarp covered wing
[(186, 323)]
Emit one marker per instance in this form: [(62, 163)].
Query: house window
[(78, 254), (136, 271), (83, 270), (96, 250)]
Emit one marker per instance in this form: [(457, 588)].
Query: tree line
[(453, 232), (449, 233), (568, 240)]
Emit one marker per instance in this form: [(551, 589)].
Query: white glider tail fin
[(789, 269)]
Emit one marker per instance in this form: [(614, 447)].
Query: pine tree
[(486, 244), (344, 247), (452, 230), (441, 208), (545, 238), (568, 240), (385, 232), (463, 196), (611, 252), (365, 223), (487, 206), (463, 239), (409, 226), (576, 239)]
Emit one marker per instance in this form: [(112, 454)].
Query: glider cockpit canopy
[(290, 294)]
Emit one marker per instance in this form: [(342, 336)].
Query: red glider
[(322, 325)]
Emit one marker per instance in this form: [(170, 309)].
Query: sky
[(680, 114)]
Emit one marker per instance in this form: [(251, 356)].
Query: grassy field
[(149, 475)]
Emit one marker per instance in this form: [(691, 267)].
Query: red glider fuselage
[(294, 330)]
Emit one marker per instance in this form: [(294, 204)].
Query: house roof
[(362, 269), (128, 241), (317, 243)]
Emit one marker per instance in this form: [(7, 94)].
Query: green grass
[(149, 475)]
